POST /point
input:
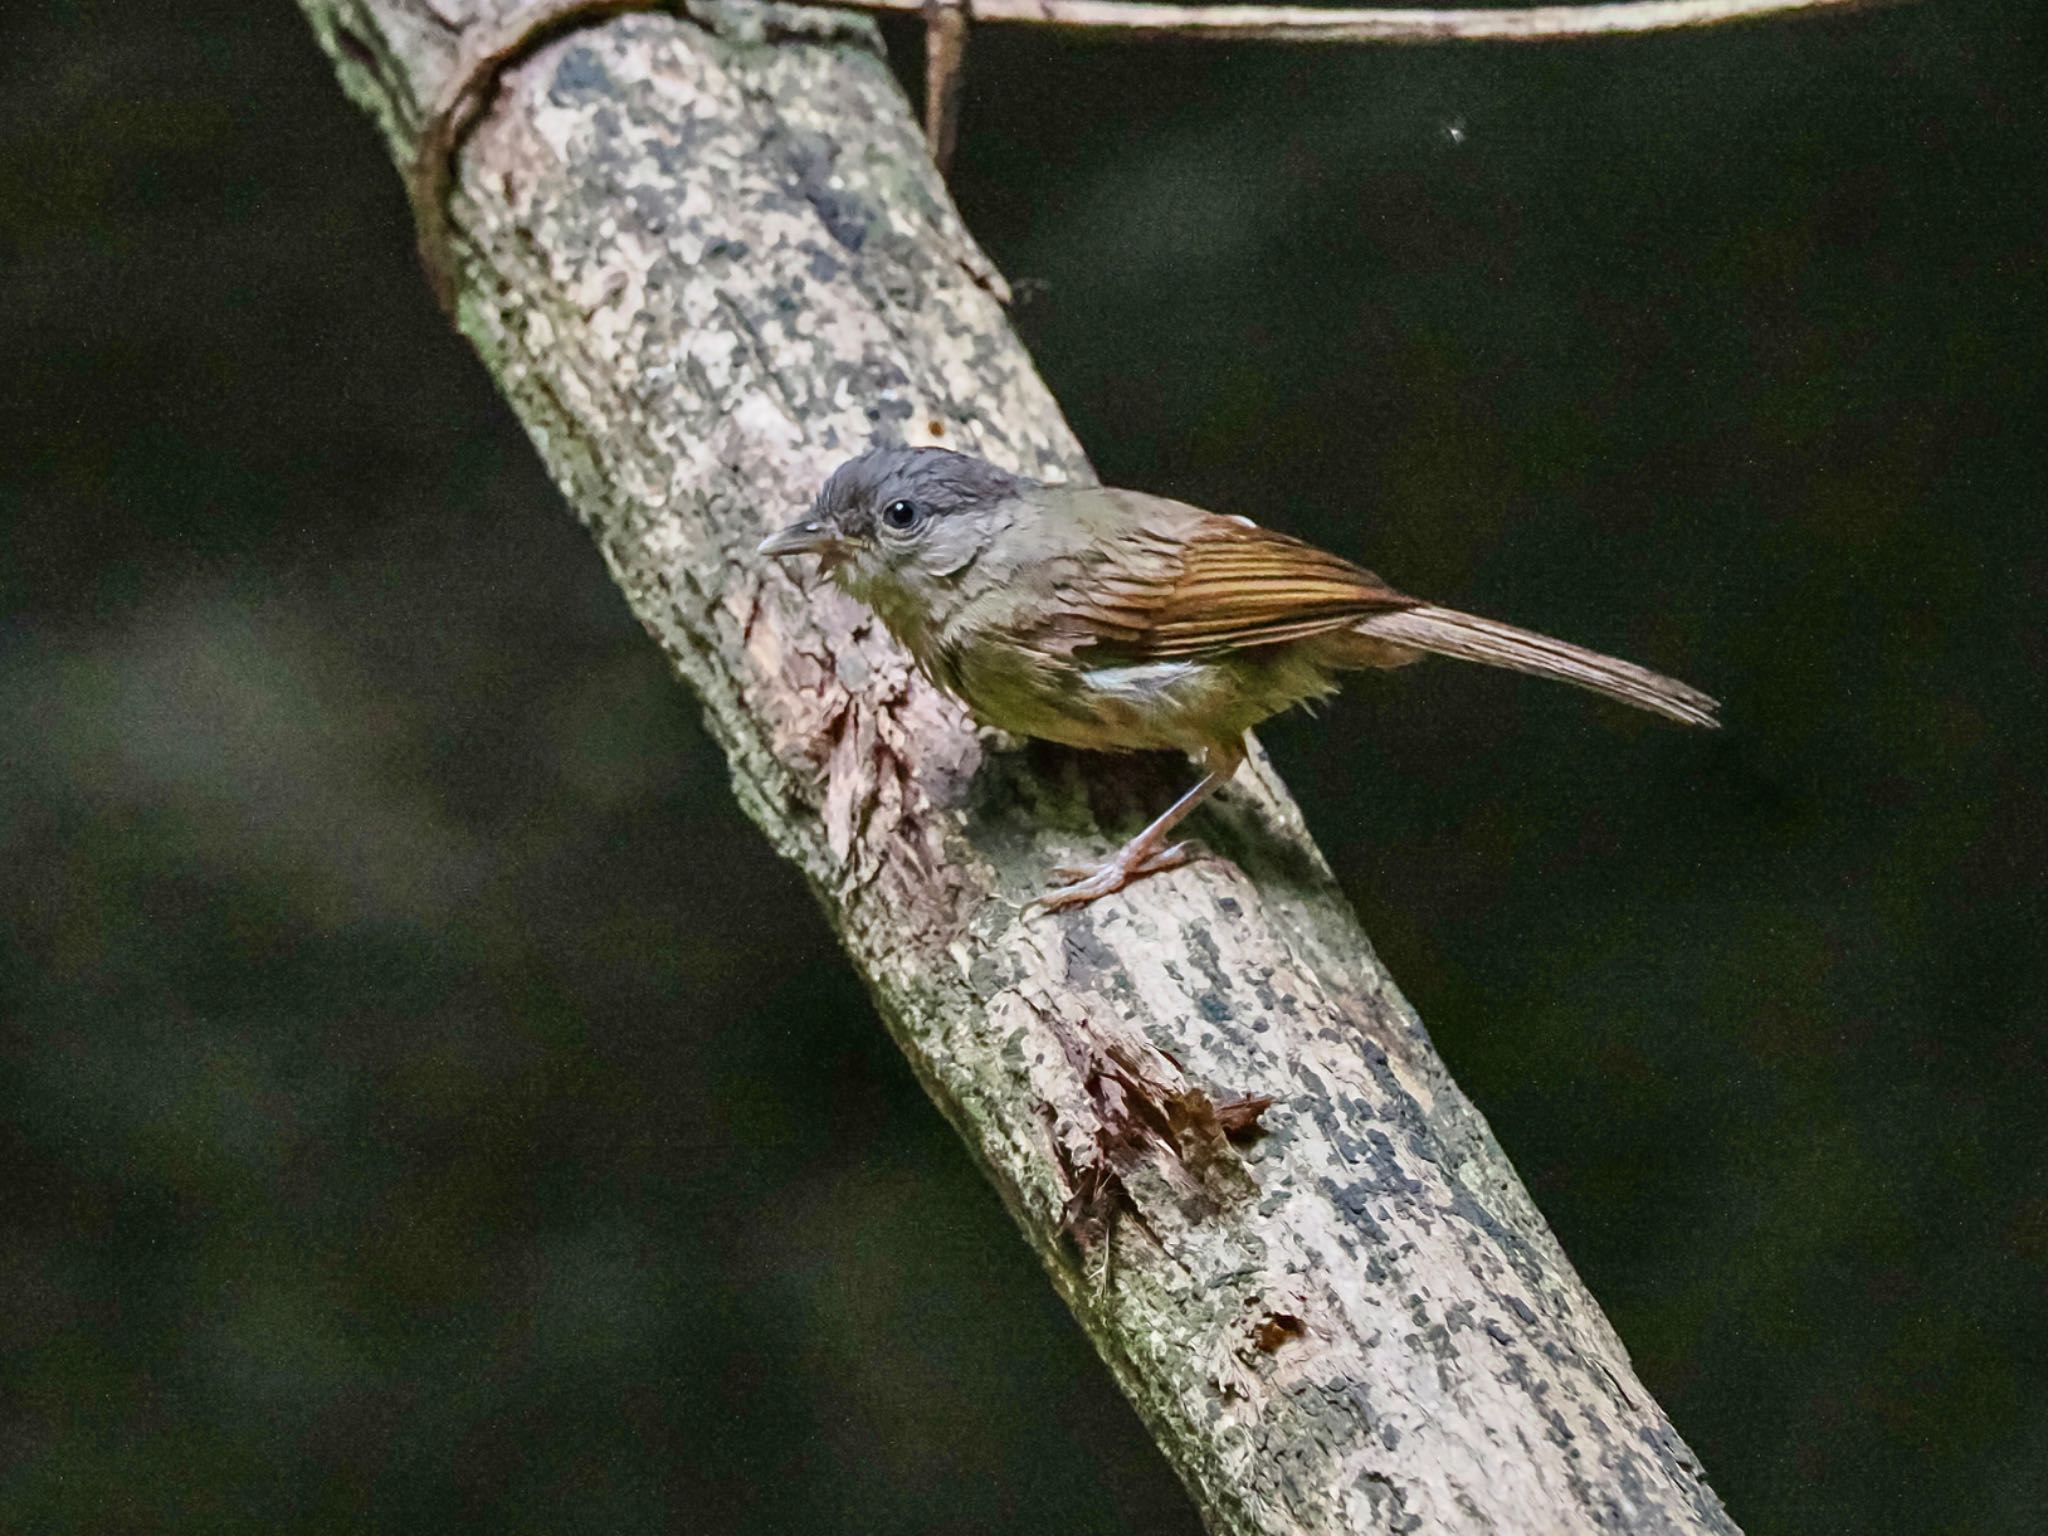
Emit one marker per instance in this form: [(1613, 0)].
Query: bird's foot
[(1086, 883)]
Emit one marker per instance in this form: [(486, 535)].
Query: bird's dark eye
[(900, 515)]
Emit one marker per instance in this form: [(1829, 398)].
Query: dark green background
[(427, 1103)]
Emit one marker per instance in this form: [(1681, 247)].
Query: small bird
[(1123, 622)]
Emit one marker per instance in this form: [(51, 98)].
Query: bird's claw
[(1091, 883)]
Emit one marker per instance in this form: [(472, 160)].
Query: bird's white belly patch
[(1187, 703), (1143, 684), (1163, 703)]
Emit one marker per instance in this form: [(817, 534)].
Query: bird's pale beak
[(805, 537)]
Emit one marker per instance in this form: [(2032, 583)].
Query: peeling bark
[(706, 257)]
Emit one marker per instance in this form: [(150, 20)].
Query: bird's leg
[(1144, 854)]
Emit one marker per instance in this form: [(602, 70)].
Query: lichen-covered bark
[(707, 259)]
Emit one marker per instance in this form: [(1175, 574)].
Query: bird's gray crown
[(937, 480)]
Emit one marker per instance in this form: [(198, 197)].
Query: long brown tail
[(1446, 632)]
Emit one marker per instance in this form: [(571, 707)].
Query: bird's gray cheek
[(948, 556)]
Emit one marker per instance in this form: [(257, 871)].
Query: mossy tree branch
[(706, 257)]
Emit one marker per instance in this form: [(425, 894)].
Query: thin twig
[(945, 72), (1304, 24)]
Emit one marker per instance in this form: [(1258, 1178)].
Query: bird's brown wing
[(1186, 583)]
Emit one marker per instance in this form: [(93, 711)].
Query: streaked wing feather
[(1216, 584)]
